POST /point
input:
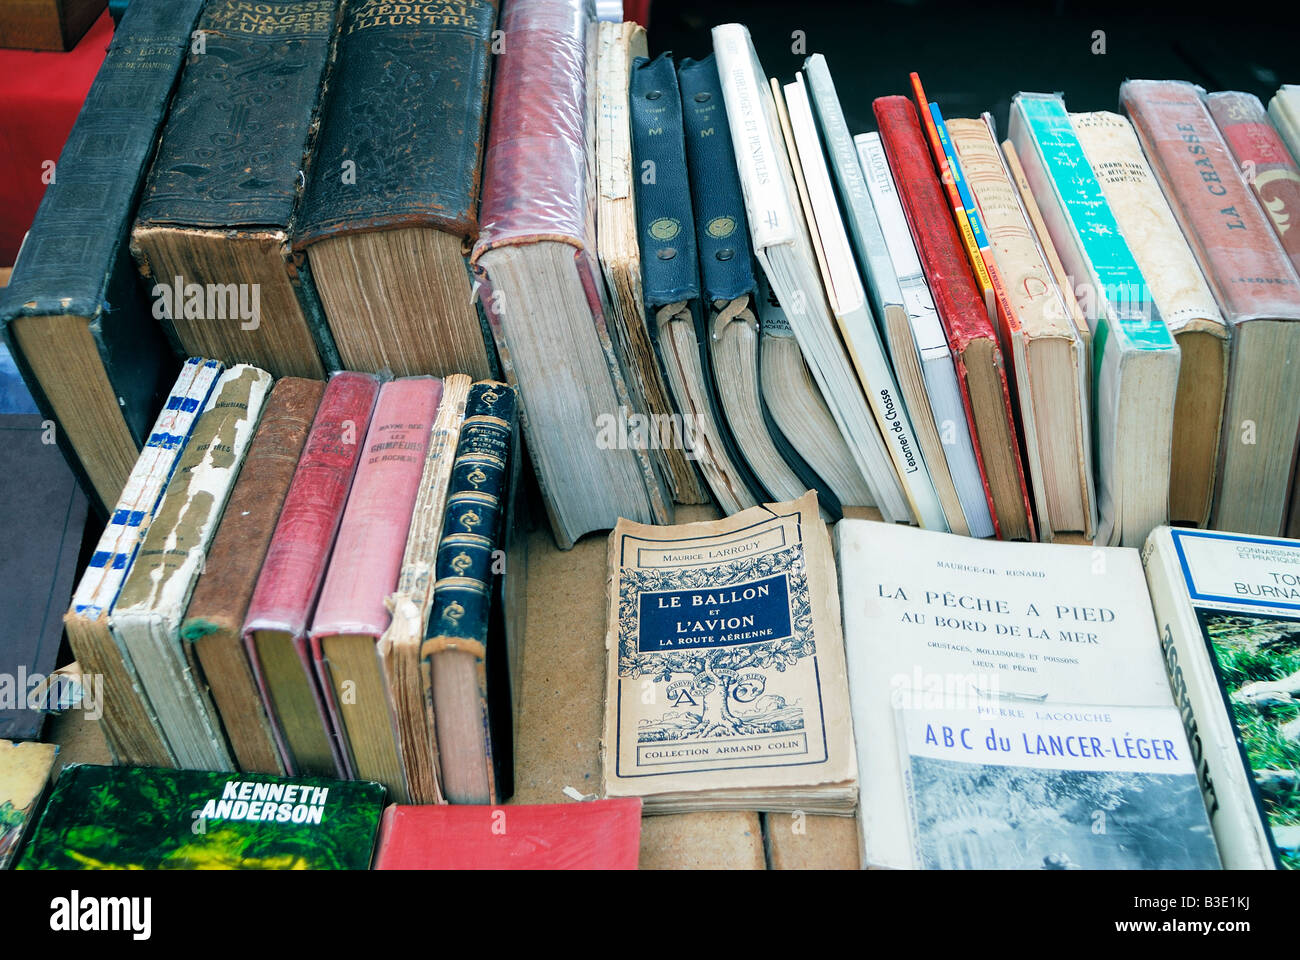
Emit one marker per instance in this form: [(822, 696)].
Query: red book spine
[(1264, 160), (956, 298), (368, 553), (295, 561), (1250, 275)]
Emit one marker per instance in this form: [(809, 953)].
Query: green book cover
[(142, 818)]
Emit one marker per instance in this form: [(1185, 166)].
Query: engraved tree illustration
[(714, 679)]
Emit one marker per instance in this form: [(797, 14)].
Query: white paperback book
[(848, 302), (1010, 707), (930, 343), (1228, 609), (784, 250)]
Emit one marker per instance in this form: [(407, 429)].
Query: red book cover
[(294, 567), (367, 556), (1265, 162), (596, 835), (961, 309)]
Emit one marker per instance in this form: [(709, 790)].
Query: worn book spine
[(304, 534), (956, 297), (412, 599), (372, 534), (1264, 161), (291, 575), (465, 568), (214, 618), (1244, 264), (235, 163), (76, 259), (86, 621), (147, 617)]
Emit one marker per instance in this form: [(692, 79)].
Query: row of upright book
[(300, 576)]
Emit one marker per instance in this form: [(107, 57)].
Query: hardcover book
[(597, 835), (132, 736), (1257, 290), (981, 369), (216, 211), (351, 615), (921, 355), (1284, 111), (539, 283), (1228, 609), (671, 282), (275, 627), (24, 774), (411, 601), (44, 511), (73, 314), (726, 685), (730, 292), (1049, 361), (1011, 707), (1135, 358), (392, 191), (469, 668), (146, 618), (1181, 295), (618, 44), (212, 631), (139, 818)]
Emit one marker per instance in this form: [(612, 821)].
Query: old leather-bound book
[(212, 231), (1256, 287), (392, 194), (541, 289), (275, 629), (73, 314), (981, 368), (214, 618), (470, 668), (1183, 298), (132, 737), (351, 615), (146, 619), (410, 602)]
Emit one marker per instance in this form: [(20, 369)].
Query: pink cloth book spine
[(291, 575), (368, 553)]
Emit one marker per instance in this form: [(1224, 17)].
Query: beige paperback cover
[(726, 685)]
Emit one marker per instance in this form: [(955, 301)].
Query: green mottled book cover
[(141, 818)]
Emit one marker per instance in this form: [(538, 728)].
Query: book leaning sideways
[(726, 686), (1228, 610), (1011, 709)]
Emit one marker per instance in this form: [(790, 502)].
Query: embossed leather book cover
[(229, 171), (294, 569), (76, 262), (215, 617), (957, 299)]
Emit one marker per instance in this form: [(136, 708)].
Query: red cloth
[(40, 95)]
